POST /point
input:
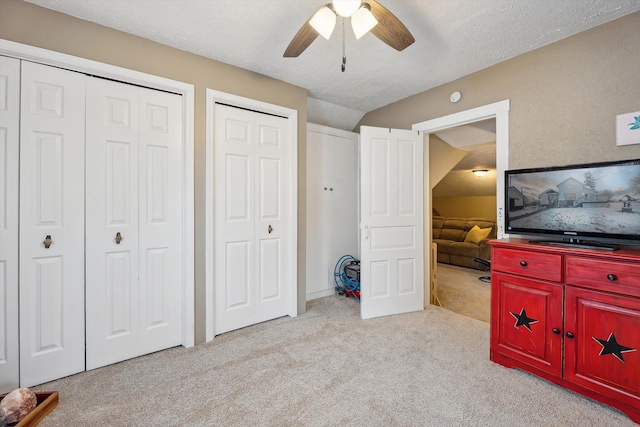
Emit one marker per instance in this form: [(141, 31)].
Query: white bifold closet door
[(52, 135), (90, 176), (9, 158), (252, 224), (134, 216)]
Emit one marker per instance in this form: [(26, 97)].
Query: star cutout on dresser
[(611, 346), (523, 320)]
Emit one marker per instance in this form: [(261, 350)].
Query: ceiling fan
[(366, 15)]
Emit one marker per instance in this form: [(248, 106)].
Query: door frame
[(498, 110), (100, 69), (213, 96)]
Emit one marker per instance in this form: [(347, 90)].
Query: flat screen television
[(595, 204)]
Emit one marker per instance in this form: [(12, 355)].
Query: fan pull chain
[(344, 55)]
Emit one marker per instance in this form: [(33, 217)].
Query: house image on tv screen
[(574, 193), (593, 200), (549, 197)]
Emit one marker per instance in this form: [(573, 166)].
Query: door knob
[(118, 238), (270, 228), (47, 241)]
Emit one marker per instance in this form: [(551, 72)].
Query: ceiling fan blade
[(389, 29), (303, 38)]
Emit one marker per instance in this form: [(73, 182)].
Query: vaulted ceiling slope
[(453, 38)]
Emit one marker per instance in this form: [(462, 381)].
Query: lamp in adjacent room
[(480, 172)]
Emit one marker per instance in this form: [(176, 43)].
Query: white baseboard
[(320, 294)]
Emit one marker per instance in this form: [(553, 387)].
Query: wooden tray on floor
[(47, 401)]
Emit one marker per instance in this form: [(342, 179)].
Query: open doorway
[(462, 198), (498, 111)]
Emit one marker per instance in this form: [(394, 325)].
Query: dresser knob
[(556, 331), (569, 335), (611, 277), (523, 263)]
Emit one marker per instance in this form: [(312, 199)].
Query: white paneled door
[(392, 261), (252, 224), (9, 160), (133, 193), (91, 220), (51, 223), (112, 208)]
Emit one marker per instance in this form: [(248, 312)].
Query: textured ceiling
[(470, 135), (453, 38), (461, 181)]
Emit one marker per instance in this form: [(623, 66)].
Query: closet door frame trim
[(73, 63), (213, 96)]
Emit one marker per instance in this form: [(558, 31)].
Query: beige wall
[(466, 207), (442, 158), (32, 25), (564, 97)]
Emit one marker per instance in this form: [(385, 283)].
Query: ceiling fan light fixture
[(324, 21), (346, 8), (363, 21), (389, 28)]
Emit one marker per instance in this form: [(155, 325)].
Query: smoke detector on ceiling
[(455, 96)]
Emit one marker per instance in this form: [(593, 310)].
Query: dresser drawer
[(535, 265), (611, 276)]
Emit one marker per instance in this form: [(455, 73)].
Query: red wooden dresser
[(570, 316)]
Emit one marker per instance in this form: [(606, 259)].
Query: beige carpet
[(461, 290), (326, 368)]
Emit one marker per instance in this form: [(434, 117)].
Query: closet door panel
[(253, 229), (234, 218), (112, 222), (134, 211), (160, 219), (9, 179), (120, 313), (52, 224), (341, 174), (319, 271), (272, 229)]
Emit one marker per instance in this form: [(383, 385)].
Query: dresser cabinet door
[(527, 321), (604, 353)]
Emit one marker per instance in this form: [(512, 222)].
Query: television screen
[(599, 200)]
